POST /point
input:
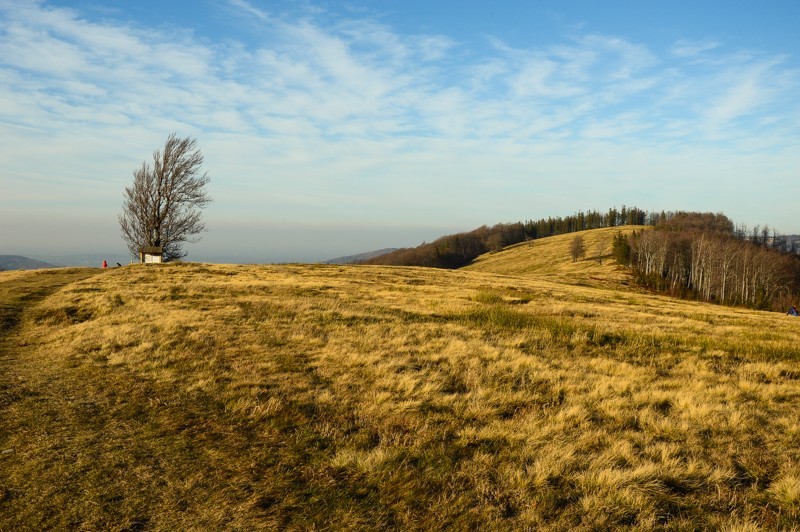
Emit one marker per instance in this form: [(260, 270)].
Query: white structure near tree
[(151, 254)]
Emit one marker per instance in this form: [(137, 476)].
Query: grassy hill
[(549, 258), (191, 396)]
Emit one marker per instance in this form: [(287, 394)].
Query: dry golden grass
[(549, 258), (301, 397)]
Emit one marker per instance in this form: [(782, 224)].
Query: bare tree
[(647, 249), (600, 250), (162, 207), (577, 248)]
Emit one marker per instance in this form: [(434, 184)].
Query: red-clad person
[(105, 264)]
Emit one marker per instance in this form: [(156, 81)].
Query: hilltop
[(461, 249), (192, 396)]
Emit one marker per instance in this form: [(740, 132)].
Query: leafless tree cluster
[(715, 266), (162, 207), (455, 251)]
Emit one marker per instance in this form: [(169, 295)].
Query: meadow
[(539, 395)]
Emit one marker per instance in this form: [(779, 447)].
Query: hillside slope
[(353, 259), (549, 258), (16, 262), (302, 397)]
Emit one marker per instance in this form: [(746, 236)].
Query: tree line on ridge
[(458, 250)]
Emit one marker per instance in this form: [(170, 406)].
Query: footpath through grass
[(193, 396)]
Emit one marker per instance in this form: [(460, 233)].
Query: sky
[(334, 128)]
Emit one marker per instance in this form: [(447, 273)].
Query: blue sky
[(332, 128)]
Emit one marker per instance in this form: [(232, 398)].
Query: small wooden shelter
[(151, 254)]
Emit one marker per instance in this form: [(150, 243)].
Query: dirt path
[(85, 445), (22, 385), (20, 290)]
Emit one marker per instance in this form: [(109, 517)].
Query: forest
[(703, 256)]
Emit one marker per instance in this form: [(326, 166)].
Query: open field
[(191, 396), (548, 258)]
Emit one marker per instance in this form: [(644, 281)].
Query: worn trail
[(20, 292)]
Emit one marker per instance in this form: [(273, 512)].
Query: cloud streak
[(359, 79)]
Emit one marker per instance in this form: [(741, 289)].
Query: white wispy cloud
[(691, 49), (355, 78), (250, 10), (744, 89)]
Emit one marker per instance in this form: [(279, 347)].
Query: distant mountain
[(92, 260), (352, 259), (16, 262)]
